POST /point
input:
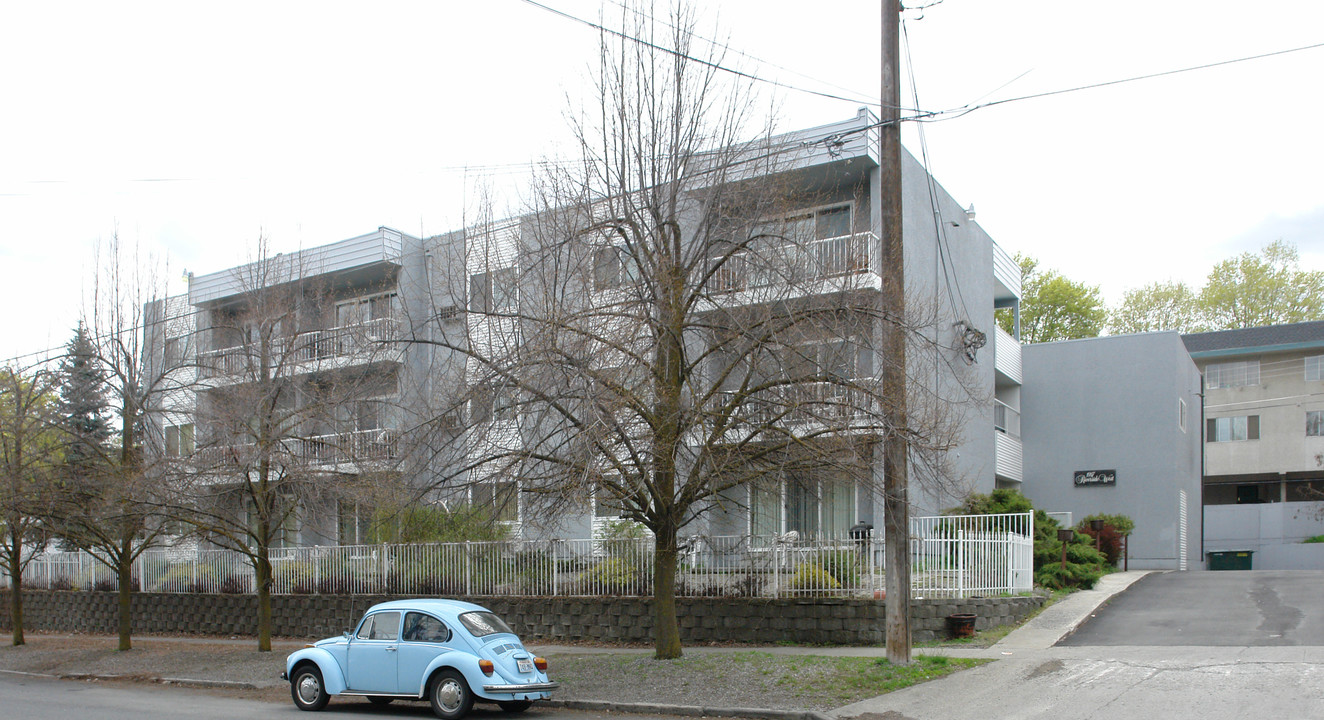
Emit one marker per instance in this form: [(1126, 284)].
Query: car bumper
[(522, 688)]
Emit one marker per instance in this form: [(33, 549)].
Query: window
[(425, 628), (1315, 423), (1232, 429), (380, 626), (365, 309), (1315, 368), (814, 506), (1181, 414), (179, 440), (174, 352), (483, 623), (1233, 374), (496, 402), (496, 291), (604, 505), (501, 496), (613, 267), (355, 523)]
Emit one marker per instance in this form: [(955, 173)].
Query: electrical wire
[(701, 61)]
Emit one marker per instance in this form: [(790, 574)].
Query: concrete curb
[(95, 677), (686, 710), (640, 708)]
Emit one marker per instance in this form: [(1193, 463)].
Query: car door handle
[(389, 648)]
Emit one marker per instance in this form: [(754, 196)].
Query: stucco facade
[(1126, 407)]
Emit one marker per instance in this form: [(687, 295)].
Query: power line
[(746, 55), (967, 109), (706, 63)]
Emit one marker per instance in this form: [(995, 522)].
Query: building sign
[(1095, 477)]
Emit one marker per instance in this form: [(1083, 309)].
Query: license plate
[(525, 666)]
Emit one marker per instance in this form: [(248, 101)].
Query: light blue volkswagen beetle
[(446, 652)]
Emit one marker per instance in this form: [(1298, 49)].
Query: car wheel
[(307, 690), (514, 706), (380, 701), (450, 695)]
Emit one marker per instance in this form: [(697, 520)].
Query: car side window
[(425, 628), (380, 626)]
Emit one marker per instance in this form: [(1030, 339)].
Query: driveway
[(1208, 645), (1251, 608)]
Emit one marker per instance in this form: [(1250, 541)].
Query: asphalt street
[(1207, 645), (40, 698), (1216, 609)]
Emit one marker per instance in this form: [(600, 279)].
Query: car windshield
[(484, 623)]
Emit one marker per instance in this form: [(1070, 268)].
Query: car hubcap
[(309, 689), (448, 696)]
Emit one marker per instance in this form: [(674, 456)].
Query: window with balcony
[(1315, 423), (1315, 368), (1232, 374), (366, 309), (1233, 429), (815, 506)]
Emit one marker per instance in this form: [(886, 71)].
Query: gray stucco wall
[(949, 276), (1112, 403)]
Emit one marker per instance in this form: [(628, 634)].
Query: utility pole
[(896, 503)]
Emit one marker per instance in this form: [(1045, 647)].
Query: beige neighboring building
[(1264, 441)]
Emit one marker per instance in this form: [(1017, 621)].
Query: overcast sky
[(191, 128)]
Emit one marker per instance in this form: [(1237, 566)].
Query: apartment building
[(390, 358), (1113, 426), (1263, 440)]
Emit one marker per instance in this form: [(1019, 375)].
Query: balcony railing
[(1006, 419), (798, 262), (799, 402), (333, 449), (339, 342)]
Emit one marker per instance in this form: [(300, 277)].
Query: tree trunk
[(263, 568), (666, 630), (16, 605), (125, 572)]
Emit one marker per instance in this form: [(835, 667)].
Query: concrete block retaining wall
[(835, 621)]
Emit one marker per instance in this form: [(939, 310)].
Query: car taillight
[(540, 663), (486, 666)]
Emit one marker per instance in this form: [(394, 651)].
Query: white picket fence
[(951, 556)]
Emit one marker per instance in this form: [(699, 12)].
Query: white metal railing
[(792, 262), (1006, 418), (951, 556), (337, 342), (331, 449), (799, 402)]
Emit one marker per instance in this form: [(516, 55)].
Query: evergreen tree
[(84, 409)]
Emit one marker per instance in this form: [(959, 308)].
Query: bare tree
[(111, 504), (685, 312), (29, 459), (296, 402)]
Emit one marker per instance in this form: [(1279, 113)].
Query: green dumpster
[(1230, 560)]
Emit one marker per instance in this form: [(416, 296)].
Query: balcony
[(361, 342), (1006, 356), (1007, 457), (815, 267), (358, 446), (1006, 419), (819, 403)]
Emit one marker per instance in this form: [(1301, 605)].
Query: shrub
[(616, 576), (1314, 539), (1084, 564), (809, 576)]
